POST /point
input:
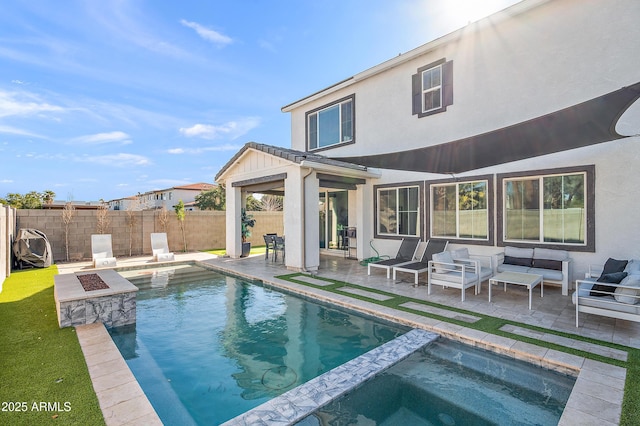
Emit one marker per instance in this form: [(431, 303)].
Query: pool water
[(207, 347), (449, 383)]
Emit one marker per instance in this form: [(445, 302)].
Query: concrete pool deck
[(599, 389)]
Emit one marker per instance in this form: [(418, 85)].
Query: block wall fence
[(204, 230)]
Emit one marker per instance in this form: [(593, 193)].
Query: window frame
[(419, 225), (589, 193), (318, 110), (446, 88), (489, 178)]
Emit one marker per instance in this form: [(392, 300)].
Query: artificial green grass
[(630, 415), (42, 369)]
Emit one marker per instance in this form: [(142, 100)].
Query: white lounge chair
[(101, 251), (422, 265), (406, 254), (160, 247), (462, 273)]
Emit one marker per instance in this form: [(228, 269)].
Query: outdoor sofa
[(612, 290), (553, 265)]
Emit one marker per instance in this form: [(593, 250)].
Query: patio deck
[(553, 312)]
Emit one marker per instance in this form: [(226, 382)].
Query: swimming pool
[(207, 347)]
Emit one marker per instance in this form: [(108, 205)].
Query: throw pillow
[(555, 265), (519, 261), (601, 290), (444, 257), (613, 265), (628, 295), (459, 254), (633, 267)]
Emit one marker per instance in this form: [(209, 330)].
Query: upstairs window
[(432, 88), (331, 124)]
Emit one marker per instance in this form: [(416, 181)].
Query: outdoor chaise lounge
[(462, 273), (406, 253), (422, 265), (101, 251), (160, 247)]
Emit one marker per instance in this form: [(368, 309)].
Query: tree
[(271, 203), (163, 218), (68, 213), (132, 220), (252, 204), (181, 215), (48, 196), (102, 219), (214, 199), (30, 200), (246, 223)]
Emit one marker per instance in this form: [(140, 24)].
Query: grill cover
[(31, 247)]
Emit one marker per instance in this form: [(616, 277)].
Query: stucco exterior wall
[(506, 70), (7, 232), (203, 230)]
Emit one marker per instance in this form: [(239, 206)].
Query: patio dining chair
[(406, 254), (278, 246), (269, 244), (422, 265)]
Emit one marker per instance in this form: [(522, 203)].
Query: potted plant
[(246, 223)]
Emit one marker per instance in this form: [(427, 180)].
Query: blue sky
[(105, 99)]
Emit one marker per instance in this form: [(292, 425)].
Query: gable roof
[(291, 155)]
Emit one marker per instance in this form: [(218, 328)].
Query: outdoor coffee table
[(518, 278)]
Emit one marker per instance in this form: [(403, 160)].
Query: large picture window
[(331, 125), (398, 211), (549, 208), (459, 210)]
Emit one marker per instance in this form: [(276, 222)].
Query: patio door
[(334, 218)]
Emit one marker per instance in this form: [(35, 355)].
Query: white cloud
[(117, 160), (202, 149), (232, 129), (207, 33), (20, 132), (6, 181), (103, 138), (24, 103)]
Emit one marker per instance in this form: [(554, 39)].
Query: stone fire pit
[(88, 297)]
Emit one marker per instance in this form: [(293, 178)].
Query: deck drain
[(280, 377)]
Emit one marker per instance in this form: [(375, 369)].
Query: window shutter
[(416, 94), (447, 83)]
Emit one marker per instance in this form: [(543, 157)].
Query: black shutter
[(416, 94), (447, 83)]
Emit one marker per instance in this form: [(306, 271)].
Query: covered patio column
[(234, 208), (301, 219)]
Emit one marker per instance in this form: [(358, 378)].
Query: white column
[(311, 222), (234, 206), (293, 219), (364, 219)]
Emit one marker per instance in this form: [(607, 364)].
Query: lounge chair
[(101, 251), (422, 265), (406, 253), (160, 247)]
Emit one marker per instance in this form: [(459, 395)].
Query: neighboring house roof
[(291, 155), (196, 186)]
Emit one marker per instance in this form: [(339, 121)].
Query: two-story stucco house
[(520, 129)]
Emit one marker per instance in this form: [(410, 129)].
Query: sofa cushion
[(444, 257), (555, 265), (506, 267), (628, 295), (518, 252), (460, 254), (547, 274), (550, 254)]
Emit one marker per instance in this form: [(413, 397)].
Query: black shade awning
[(581, 125)]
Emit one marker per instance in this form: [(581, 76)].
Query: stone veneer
[(114, 306)]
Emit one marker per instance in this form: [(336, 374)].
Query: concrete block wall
[(203, 230)]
